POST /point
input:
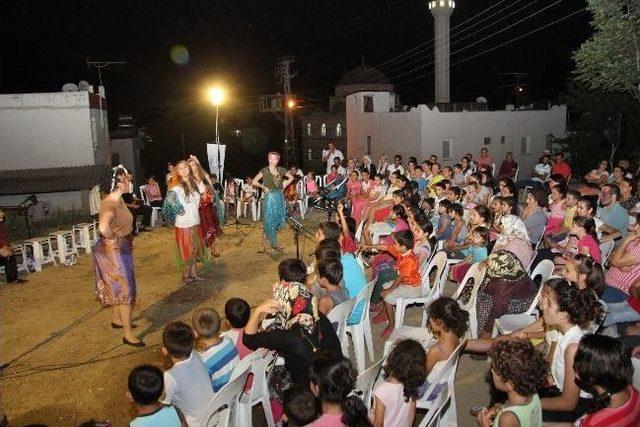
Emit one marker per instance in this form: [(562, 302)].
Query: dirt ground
[(65, 363)]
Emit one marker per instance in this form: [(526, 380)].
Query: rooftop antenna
[(99, 65)]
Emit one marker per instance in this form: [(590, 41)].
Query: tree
[(610, 59)]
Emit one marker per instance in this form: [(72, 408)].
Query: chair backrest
[(359, 231), (606, 248), (473, 273), (544, 269), (366, 380), (143, 194), (636, 372), (439, 263), (319, 180), (515, 176), (365, 295), (220, 408), (338, 317), (301, 189), (441, 381)]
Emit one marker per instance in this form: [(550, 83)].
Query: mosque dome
[(363, 75)]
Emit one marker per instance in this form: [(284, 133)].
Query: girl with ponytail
[(570, 310), (333, 381), (604, 369), (584, 229)]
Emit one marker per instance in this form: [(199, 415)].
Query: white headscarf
[(512, 226)]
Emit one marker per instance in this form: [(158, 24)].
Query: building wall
[(43, 130), (129, 156), (421, 132), (67, 201), (316, 142)]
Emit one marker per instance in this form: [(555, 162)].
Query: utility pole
[(99, 65), (284, 76)]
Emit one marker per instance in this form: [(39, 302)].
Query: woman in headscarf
[(507, 289), (367, 165), (298, 332), (514, 238)]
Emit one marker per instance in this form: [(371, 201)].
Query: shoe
[(138, 344), (379, 317), (116, 326), (20, 281)]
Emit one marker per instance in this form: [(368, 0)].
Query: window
[(524, 145), (487, 140), (323, 130), (548, 144), (502, 139), (338, 130), (446, 149), (368, 104), (309, 129), (368, 144), (309, 156)]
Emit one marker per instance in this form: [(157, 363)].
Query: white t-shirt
[(541, 169), (190, 217), (337, 154), (341, 171), (248, 189), (392, 168), (396, 408), (188, 386), (572, 336)]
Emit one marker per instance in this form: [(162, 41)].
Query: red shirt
[(627, 415), (562, 168), (4, 240), (407, 266), (348, 245)]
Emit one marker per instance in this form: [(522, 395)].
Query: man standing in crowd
[(330, 154), (615, 219), (7, 258)]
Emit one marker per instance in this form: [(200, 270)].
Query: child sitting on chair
[(145, 388)]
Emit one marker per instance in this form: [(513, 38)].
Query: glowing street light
[(216, 95), (291, 104)]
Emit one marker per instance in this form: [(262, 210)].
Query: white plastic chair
[(361, 331), (338, 317), (62, 244), (366, 381), (84, 236), (302, 194), (606, 249), (155, 210), (441, 390), (41, 251), (258, 363), (512, 322), (221, 409), (21, 260), (429, 293), (477, 274), (635, 362), (515, 176)]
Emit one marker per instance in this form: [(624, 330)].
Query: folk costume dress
[(275, 213), (209, 227), (188, 233), (113, 258)]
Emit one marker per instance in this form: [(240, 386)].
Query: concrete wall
[(129, 153), (43, 130), (421, 132), (67, 201), (316, 142)]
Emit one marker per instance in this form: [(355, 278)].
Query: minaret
[(441, 11)]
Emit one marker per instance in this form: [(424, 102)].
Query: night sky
[(46, 44)]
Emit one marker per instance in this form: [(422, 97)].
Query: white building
[(53, 145), (423, 131)]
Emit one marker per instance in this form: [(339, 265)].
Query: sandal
[(262, 250)]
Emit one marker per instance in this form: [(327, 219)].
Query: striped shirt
[(627, 415), (623, 280), (220, 359)]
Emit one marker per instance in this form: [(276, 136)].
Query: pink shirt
[(594, 249), (327, 420), (396, 409), (624, 279), (353, 188), (153, 192), (312, 187), (484, 161)]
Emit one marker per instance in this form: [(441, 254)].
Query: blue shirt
[(477, 253), (167, 416), (615, 216), (422, 184), (354, 282), (220, 359)]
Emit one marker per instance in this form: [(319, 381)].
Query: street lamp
[(216, 98)]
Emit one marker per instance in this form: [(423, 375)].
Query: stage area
[(66, 364)]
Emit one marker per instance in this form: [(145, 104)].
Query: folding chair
[(258, 363)]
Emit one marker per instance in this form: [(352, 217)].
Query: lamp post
[(216, 97)]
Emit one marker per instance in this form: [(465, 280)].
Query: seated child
[(397, 221), (218, 353), (248, 190), (329, 292), (145, 388), (445, 226), (332, 176), (448, 324), (300, 406), (237, 312), (557, 209), (395, 396), (311, 185), (518, 370), (475, 251), (187, 384)]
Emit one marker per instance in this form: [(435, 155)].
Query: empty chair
[(41, 251), (258, 363), (222, 408), (84, 235), (361, 331), (338, 318), (62, 244), (366, 381)]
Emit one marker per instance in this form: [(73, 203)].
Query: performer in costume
[(189, 237), (274, 180), (112, 254), (209, 227)]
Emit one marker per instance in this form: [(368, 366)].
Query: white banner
[(212, 155)]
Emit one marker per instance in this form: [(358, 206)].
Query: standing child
[(187, 384), (333, 175), (145, 389), (404, 373), (218, 353), (477, 251), (557, 209), (519, 370), (237, 312)]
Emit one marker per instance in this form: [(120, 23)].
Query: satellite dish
[(481, 100), (84, 85), (70, 87)]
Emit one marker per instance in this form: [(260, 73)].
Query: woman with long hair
[(113, 254), (209, 227), (274, 179), (189, 238)]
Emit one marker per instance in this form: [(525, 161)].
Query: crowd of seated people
[(571, 362)]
